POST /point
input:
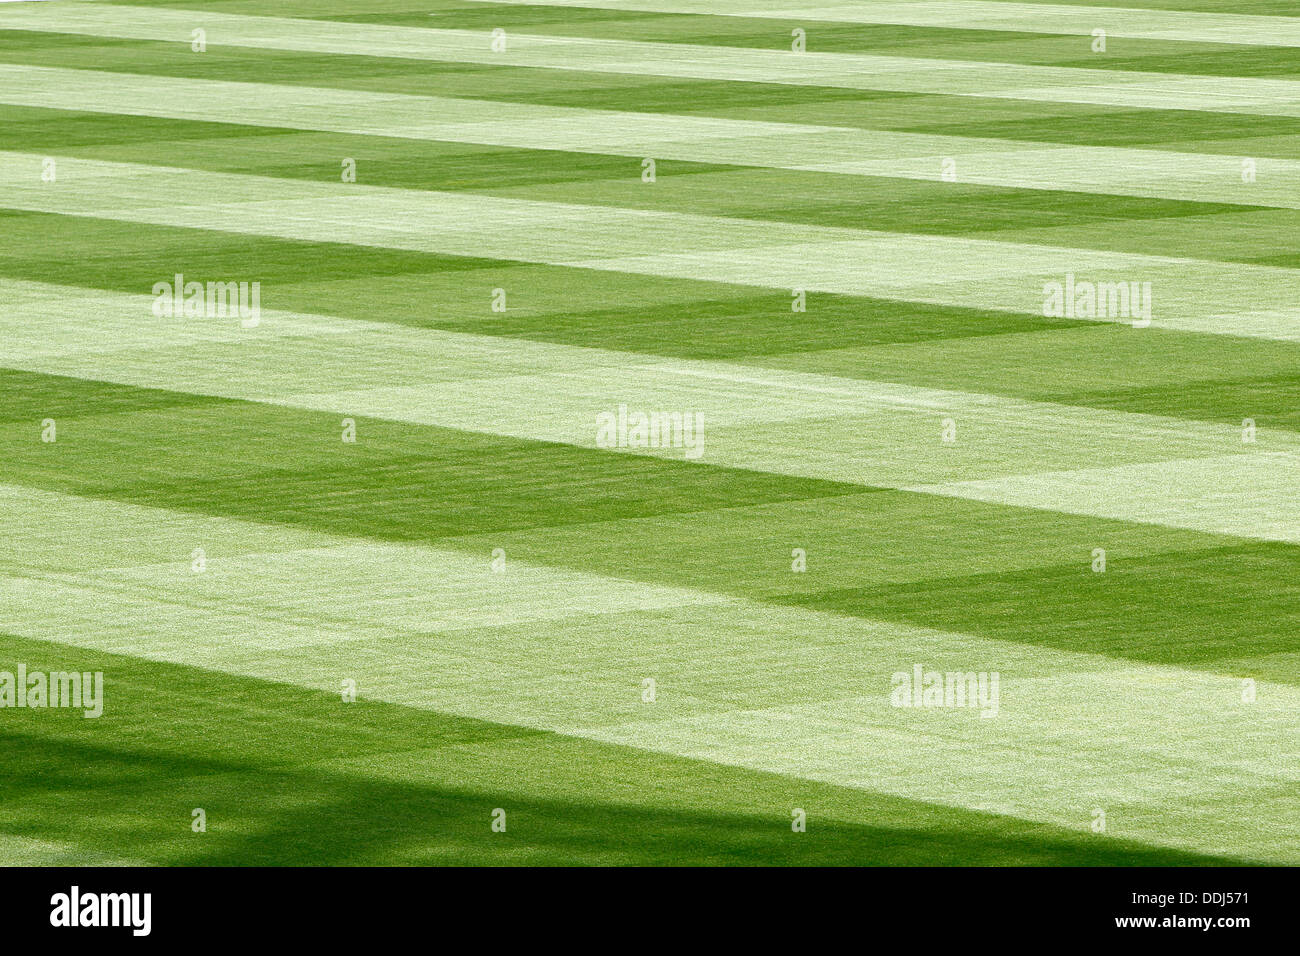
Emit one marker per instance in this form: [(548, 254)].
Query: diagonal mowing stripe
[(1248, 496), (805, 693), (297, 777), (1266, 97), (1054, 18), (1186, 294), (792, 423), (1163, 690), (1196, 177), (847, 430)]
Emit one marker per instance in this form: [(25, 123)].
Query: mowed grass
[(1151, 226), (292, 777), (505, 590), (1167, 372), (1052, 122), (1014, 574)]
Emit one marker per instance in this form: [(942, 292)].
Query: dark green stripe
[(563, 506), (1235, 134), (253, 755)]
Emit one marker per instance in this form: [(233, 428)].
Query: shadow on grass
[(290, 776)]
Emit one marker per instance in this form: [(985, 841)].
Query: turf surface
[(394, 479)]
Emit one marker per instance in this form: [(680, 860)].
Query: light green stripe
[(1253, 495), (1195, 177), (1187, 294), (803, 693), (1268, 97), (1047, 18), (820, 426), (27, 851)]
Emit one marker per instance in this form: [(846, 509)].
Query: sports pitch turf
[(485, 238)]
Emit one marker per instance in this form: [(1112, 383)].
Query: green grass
[(503, 587), (290, 777)]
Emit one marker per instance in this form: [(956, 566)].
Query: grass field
[(821, 247)]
